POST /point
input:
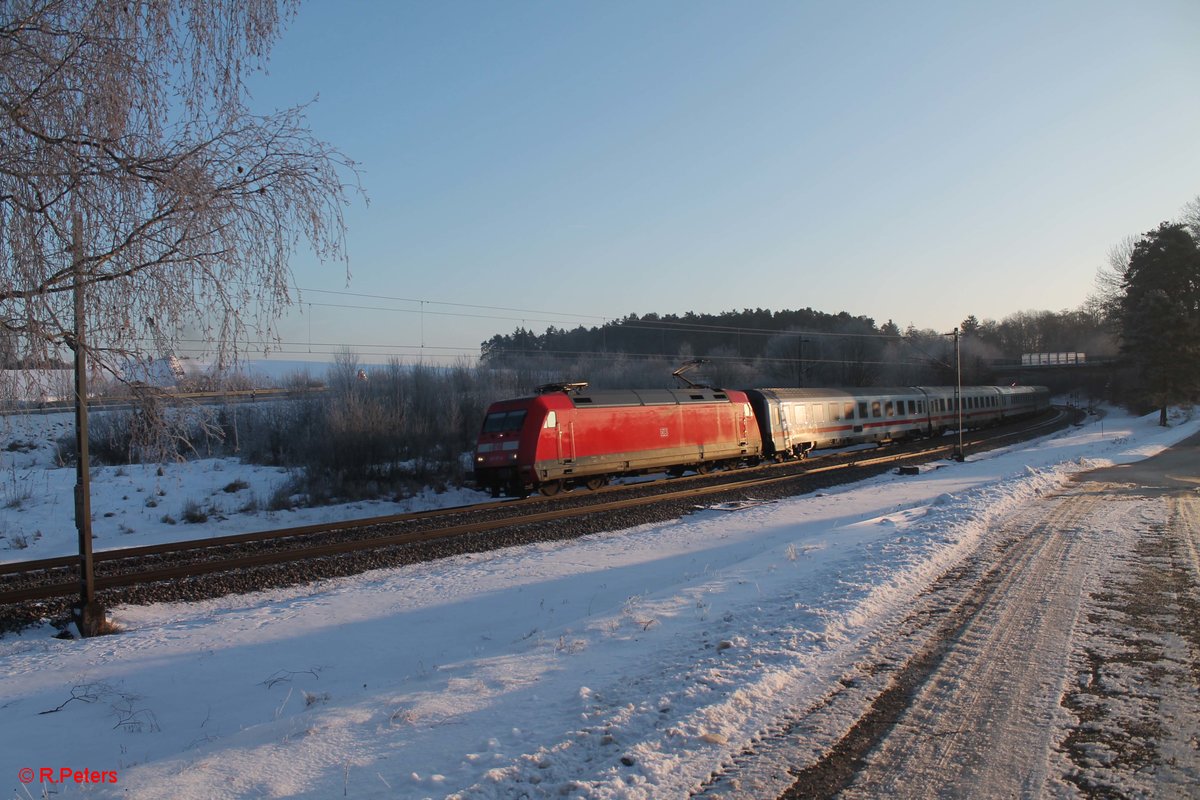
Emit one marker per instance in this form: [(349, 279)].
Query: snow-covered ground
[(622, 665), (149, 504)]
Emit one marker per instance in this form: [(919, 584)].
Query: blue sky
[(579, 161)]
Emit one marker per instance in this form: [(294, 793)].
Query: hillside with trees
[(760, 347)]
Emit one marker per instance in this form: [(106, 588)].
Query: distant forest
[(760, 347)]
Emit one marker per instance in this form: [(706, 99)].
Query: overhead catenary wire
[(421, 307)]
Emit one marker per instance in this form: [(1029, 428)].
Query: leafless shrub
[(195, 513), (287, 675)]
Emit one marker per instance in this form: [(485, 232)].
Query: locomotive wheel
[(595, 483), (550, 488)]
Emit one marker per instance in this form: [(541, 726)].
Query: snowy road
[(1075, 666)]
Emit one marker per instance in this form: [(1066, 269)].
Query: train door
[(567, 442), (564, 437), (785, 428)]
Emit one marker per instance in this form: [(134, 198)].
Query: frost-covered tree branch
[(132, 115)]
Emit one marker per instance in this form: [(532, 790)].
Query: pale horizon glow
[(536, 163)]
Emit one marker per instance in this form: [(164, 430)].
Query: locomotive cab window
[(504, 421), (551, 420)]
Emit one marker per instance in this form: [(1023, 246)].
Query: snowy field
[(621, 665), (149, 504)]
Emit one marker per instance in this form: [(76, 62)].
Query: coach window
[(862, 410), (833, 412), (889, 409), (848, 411), (818, 414), (876, 409)]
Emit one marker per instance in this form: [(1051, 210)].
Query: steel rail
[(195, 545)]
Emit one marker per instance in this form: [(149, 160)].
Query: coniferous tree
[(1160, 315)]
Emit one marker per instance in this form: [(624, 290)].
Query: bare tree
[(1110, 279), (130, 165), (1190, 216)]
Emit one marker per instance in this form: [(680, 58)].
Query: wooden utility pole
[(89, 614)]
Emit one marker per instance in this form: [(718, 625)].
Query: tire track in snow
[(982, 720), (826, 744), (1136, 726)]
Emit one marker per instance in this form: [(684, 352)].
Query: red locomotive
[(566, 435)]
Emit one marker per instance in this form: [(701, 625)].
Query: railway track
[(38, 590)]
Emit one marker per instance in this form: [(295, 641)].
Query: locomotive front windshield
[(504, 421)]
